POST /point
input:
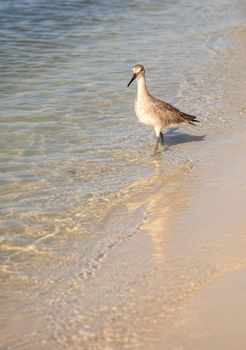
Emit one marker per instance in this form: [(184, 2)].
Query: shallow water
[(78, 174)]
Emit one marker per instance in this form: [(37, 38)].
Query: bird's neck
[(142, 88)]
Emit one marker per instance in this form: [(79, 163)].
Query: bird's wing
[(170, 114)]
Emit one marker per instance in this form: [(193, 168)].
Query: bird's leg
[(156, 147), (161, 137)]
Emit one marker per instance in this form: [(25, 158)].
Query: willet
[(153, 112)]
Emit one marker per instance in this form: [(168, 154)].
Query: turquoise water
[(71, 146)]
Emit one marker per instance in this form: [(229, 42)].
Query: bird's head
[(138, 71)]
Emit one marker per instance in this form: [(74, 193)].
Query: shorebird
[(153, 112)]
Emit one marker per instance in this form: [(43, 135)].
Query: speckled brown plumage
[(154, 112)]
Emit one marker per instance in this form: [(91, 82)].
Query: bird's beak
[(133, 78)]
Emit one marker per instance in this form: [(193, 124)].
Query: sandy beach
[(213, 232), (215, 317)]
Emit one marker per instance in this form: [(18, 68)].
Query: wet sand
[(213, 232), (215, 317)]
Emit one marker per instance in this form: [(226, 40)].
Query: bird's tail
[(191, 119)]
